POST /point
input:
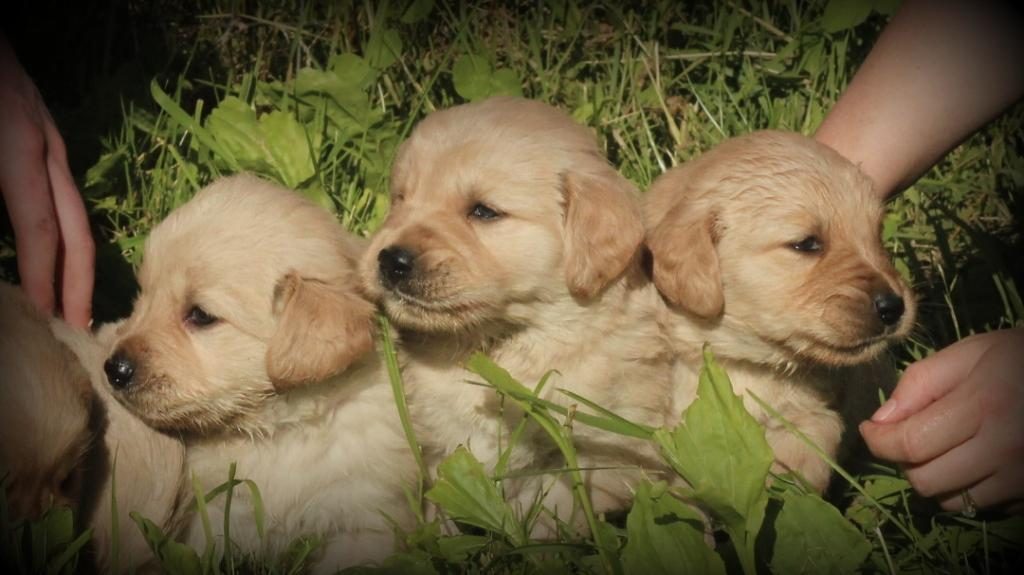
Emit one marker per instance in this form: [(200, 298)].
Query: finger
[(959, 468), (943, 425), (76, 282), (26, 191), (929, 379), (1005, 487)]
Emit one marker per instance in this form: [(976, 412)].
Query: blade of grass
[(398, 389)]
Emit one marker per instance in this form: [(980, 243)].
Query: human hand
[(56, 254), (956, 422)]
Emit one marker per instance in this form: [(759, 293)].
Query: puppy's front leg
[(822, 426)]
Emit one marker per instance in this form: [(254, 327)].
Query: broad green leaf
[(720, 450), (476, 79), (844, 14), (352, 70), (811, 536), (505, 82), (471, 74), (666, 536), (50, 534), (467, 494), (384, 47), (236, 130), (351, 111), (417, 11), (287, 148), (59, 524)]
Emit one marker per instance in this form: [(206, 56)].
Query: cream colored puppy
[(250, 339), (768, 247), (510, 233), (144, 466)]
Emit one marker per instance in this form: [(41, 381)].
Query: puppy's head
[(782, 236), (45, 405), (496, 206), (247, 291)]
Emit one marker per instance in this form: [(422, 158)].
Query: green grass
[(319, 96)]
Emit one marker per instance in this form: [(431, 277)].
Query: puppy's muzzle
[(120, 370), (889, 308), (397, 266)]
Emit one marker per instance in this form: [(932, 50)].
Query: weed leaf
[(720, 450), (666, 536), (476, 79), (287, 148), (811, 536), (384, 47), (467, 494)]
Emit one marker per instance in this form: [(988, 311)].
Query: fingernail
[(885, 411)]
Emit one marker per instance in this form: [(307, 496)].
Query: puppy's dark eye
[(198, 317), (810, 244), (483, 212)]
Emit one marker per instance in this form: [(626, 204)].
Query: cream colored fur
[(793, 327), (551, 284), (284, 381), (146, 467)]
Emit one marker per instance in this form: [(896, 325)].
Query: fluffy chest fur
[(611, 352), (335, 472)]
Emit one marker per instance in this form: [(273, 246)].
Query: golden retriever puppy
[(146, 467), (249, 338), (510, 233), (46, 403), (768, 247)]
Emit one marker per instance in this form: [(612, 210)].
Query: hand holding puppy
[(956, 422), (55, 249)]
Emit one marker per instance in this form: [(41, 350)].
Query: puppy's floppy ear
[(603, 229), (322, 327), (686, 269)]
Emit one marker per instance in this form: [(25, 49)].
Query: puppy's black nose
[(889, 307), (396, 265), (119, 370)]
